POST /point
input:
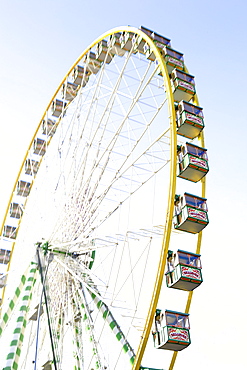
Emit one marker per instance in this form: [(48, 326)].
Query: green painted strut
[(12, 303), (88, 327), (18, 335), (107, 315)]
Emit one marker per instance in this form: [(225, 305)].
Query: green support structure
[(107, 315), (12, 303), (18, 335)]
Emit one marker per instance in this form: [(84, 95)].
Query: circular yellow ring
[(172, 185)]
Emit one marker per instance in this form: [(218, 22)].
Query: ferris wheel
[(100, 243)]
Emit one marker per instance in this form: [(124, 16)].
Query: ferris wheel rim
[(172, 183), (166, 81)]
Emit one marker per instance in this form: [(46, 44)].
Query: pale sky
[(39, 43)]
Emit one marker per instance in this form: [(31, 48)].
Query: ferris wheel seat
[(23, 188), (102, 52), (190, 213), (69, 91), (173, 59), (80, 76), (149, 52), (92, 64), (189, 120), (49, 127), (39, 147), (15, 210), (31, 167), (138, 44), (192, 162), (183, 90), (160, 42), (126, 42), (184, 278), (9, 232), (171, 330), (57, 107), (161, 47), (4, 256), (2, 280), (183, 85), (189, 125), (114, 45)]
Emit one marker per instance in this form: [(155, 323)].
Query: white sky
[(40, 40)]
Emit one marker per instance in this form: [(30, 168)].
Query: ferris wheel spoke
[(99, 303), (103, 166), (137, 174), (149, 156), (111, 144), (109, 150), (88, 323), (155, 156)]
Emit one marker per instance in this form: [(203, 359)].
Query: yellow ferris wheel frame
[(171, 191)]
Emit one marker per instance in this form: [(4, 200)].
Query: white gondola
[(9, 232), (91, 63), (57, 107), (80, 76), (39, 146), (114, 45), (184, 270), (15, 210), (4, 256), (160, 42), (23, 188), (190, 213), (192, 162), (31, 167), (189, 120), (2, 280), (171, 330), (102, 52), (173, 59), (49, 127), (126, 40), (183, 85), (69, 91)]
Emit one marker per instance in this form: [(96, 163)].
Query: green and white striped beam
[(88, 326), (102, 307), (107, 315), (13, 302), (18, 335), (77, 334)]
